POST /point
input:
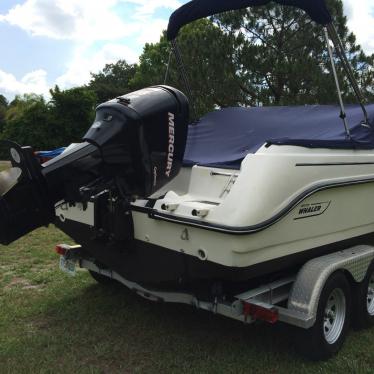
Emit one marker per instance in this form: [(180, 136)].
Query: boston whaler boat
[(248, 210)]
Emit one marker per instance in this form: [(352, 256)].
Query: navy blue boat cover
[(224, 137), (197, 9)]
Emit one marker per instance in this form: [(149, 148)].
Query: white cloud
[(151, 33), (41, 17), (33, 82), (147, 7), (84, 62), (360, 15), (86, 20)]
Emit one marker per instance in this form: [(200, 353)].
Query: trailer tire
[(326, 337), (102, 279), (363, 301)]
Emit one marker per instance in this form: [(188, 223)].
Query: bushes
[(30, 120)]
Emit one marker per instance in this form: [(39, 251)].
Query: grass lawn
[(52, 323)]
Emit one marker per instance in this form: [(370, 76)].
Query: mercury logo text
[(170, 159)]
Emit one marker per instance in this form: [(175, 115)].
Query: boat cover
[(197, 9), (224, 137)]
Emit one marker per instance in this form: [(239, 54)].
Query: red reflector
[(258, 312), (61, 250)]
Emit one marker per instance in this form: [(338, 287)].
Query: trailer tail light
[(260, 313), (61, 249)]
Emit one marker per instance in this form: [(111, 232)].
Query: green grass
[(53, 323)]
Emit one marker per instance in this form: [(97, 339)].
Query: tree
[(365, 76), (3, 109), (71, 113), (3, 101), (282, 54), (112, 81), (27, 122), (20, 104), (62, 121)]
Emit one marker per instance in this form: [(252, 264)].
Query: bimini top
[(198, 9), (224, 137)]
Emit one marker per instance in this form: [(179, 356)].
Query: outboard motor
[(135, 146)]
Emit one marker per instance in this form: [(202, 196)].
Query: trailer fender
[(306, 290)]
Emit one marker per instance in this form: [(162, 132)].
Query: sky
[(49, 42)]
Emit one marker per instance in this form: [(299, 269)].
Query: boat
[(245, 194)]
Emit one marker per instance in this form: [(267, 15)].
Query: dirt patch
[(6, 267), (38, 268), (37, 325), (23, 284)]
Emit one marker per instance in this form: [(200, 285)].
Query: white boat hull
[(285, 205)]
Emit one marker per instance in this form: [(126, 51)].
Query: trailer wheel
[(364, 301), (102, 279), (328, 334)]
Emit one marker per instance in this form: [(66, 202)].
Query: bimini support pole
[(333, 34), (168, 68), (343, 114), (182, 71)]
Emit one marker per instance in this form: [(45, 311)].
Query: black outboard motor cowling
[(135, 146), (150, 126)]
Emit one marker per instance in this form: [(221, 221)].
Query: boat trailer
[(293, 300)]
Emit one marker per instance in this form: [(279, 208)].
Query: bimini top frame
[(316, 9), (198, 9)]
